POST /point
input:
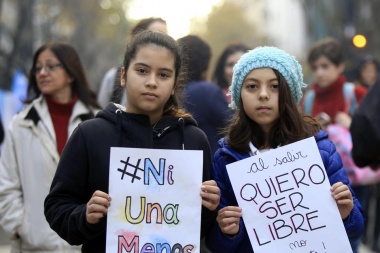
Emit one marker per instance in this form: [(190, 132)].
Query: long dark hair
[(291, 126), (69, 58), (172, 106), (218, 75)]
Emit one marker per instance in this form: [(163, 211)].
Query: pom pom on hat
[(267, 57)]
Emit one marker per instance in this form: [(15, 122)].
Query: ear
[(172, 92), (71, 80), (341, 67), (122, 77)]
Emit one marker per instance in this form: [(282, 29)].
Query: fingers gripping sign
[(97, 207), (343, 197), (228, 219), (210, 195)]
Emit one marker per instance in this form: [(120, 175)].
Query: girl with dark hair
[(58, 99), (110, 89), (265, 89), (153, 118), (224, 66)]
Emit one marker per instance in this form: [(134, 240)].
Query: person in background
[(110, 89), (58, 99), (332, 101), (266, 89), (326, 99), (203, 99), (365, 131), (367, 71), (152, 74), (224, 66)]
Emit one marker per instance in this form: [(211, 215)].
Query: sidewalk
[(4, 243), (5, 249)]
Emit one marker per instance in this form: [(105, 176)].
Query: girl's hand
[(343, 119), (229, 219), (343, 197), (97, 207), (210, 195)]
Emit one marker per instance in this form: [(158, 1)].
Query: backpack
[(341, 137)]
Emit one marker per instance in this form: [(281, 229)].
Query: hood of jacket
[(135, 124)]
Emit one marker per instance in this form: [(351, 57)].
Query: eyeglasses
[(48, 68)]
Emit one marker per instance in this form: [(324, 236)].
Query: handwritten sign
[(286, 201), (156, 203)]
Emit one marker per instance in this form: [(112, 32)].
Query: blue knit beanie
[(267, 57)]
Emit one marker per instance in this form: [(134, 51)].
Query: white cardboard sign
[(156, 202), (286, 201)]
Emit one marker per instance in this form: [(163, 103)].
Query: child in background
[(152, 75), (332, 101), (266, 88), (326, 101)]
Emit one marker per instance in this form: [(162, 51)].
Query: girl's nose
[(263, 94)]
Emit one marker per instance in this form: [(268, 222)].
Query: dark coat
[(365, 129), (84, 168), (208, 105)]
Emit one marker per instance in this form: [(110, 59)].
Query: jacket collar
[(38, 108)]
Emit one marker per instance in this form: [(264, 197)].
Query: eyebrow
[(256, 80), (48, 60), (147, 66)]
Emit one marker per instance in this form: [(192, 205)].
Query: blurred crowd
[(58, 98)]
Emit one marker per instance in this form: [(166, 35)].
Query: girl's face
[(259, 95), (52, 79), (368, 73), (326, 72), (149, 81), (231, 60)]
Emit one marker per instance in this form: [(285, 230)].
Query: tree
[(21, 49), (97, 29), (226, 24)]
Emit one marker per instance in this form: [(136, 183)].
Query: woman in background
[(58, 99), (225, 64)]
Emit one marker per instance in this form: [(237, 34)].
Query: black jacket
[(84, 168), (365, 129)]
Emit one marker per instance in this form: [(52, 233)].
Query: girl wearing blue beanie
[(266, 89)]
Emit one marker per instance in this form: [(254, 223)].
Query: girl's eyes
[(255, 86), (251, 86), (274, 86), (163, 75), (142, 71)]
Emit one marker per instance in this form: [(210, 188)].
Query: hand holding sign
[(97, 207), (343, 197), (210, 195), (229, 219)]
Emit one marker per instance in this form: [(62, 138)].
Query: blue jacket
[(219, 242), (208, 105)]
